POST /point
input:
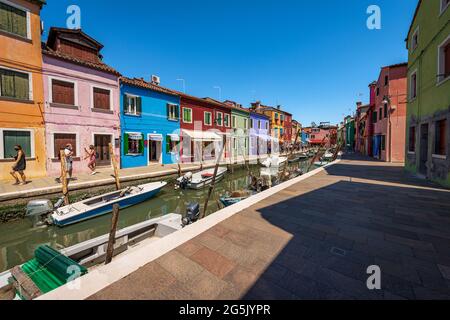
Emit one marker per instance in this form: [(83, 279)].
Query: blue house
[(150, 124)]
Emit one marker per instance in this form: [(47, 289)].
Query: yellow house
[(280, 121), (21, 86)]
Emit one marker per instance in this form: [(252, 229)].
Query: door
[(154, 151), (101, 143), (423, 157)]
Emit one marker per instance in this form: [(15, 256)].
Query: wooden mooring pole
[(114, 164), (65, 189), (213, 182), (112, 234)]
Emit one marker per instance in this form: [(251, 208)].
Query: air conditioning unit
[(156, 80)]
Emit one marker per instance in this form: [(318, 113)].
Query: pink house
[(82, 104)]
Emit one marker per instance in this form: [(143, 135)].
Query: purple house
[(259, 134)]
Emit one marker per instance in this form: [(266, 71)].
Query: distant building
[(258, 134), (428, 117)]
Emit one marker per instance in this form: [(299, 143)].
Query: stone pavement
[(314, 240)]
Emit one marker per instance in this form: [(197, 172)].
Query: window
[(381, 114), (133, 143), (386, 80), (251, 124), (63, 92), (383, 143), (385, 110), (219, 119), (15, 84), (378, 91), (444, 5), (207, 118), (313, 136), (14, 20), (245, 123), (171, 146), (132, 105), (101, 98), (233, 121), (444, 60), (259, 124), (234, 143), (60, 141), (374, 117), (267, 126), (281, 132), (412, 139), (413, 85), (187, 115), (12, 138), (415, 39), (227, 120), (440, 141), (172, 112)]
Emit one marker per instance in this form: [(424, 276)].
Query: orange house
[(21, 86)]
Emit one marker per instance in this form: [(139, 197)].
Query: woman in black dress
[(19, 166)]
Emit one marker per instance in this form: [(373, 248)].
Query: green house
[(240, 119), (428, 115)]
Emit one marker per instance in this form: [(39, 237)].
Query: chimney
[(155, 80), (279, 107), (358, 104)]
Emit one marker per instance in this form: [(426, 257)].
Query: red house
[(204, 123)]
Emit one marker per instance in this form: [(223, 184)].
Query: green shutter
[(168, 143), (125, 143), (13, 20), (12, 138), (139, 105), (168, 111), (7, 83), (125, 104), (22, 86), (141, 145)]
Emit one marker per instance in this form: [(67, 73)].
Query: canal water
[(18, 240)]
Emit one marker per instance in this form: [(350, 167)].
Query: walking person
[(92, 156), (68, 153), (19, 166)]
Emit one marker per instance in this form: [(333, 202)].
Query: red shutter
[(61, 140), (63, 92), (447, 60), (101, 99)]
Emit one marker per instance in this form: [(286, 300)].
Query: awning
[(134, 135), (174, 137), (202, 135), (155, 137)]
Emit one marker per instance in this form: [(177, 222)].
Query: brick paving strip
[(314, 240)]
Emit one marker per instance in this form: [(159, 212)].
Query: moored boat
[(274, 161), (235, 197), (200, 179)]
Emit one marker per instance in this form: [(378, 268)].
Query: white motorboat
[(274, 162), (200, 179)]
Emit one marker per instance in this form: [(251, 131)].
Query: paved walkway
[(314, 240)]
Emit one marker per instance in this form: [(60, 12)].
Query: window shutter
[(141, 145), (139, 105), (125, 104), (177, 112), (125, 143), (168, 143)]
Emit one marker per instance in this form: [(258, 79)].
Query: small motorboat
[(303, 156), (328, 155), (42, 211), (274, 162), (294, 159), (200, 179), (235, 197), (321, 163), (85, 256)]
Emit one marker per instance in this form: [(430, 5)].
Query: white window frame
[(411, 98), (204, 118), (192, 116), (77, 142), (50, 88), (171, 106), (27, 11), (111, 100), (221, 118), (441, 62), (143, 138), (32, 145), (132, 96), (443, 8), (228, 125), (416, 32), (30, 82)]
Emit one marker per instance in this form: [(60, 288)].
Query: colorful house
[(258, 134), (361, 128), (428, 117), (150, 123), (81, 99), (296, 131), (205, 124), (349, 124), (305, 136), (240, 118), (22, 93), (389, 116)]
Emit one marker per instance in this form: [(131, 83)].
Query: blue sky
[(315, 58)]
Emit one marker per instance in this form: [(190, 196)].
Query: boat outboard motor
[(192, 214), (185, 180), (38, 210)]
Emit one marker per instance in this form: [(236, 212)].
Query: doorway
[(154, 151), (101, 143), (423, 156)]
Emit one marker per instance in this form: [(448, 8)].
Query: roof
[(61, 56), (414, 19), (141, 83), (54, 31), (254, 113), (397, 65), (41, 3), (265, 108)]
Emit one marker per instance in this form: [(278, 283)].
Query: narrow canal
[(18, 239)]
